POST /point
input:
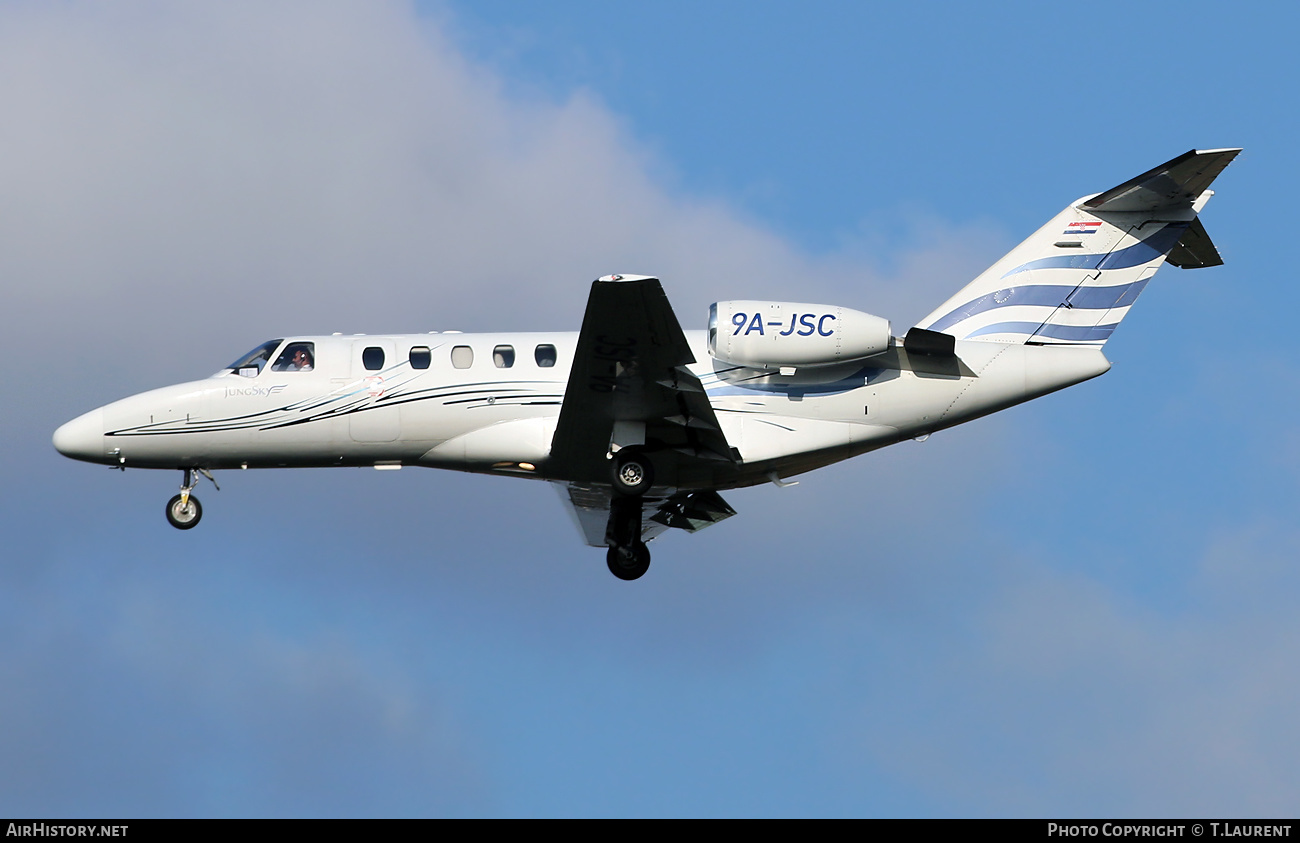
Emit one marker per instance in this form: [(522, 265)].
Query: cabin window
[(545, 356), (252, 363), (373, 358), (503, 356), (296, 357), (462, 357), (420, 357)]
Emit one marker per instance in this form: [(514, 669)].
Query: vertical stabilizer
[(1074, 279)]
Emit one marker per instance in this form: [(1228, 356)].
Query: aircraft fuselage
[(489, 403)]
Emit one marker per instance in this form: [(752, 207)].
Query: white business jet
[(641, 424)]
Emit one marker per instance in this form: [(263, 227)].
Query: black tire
[(628, 563), (184, 518), (633, 473)]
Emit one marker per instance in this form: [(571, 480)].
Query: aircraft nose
[(82, 438)]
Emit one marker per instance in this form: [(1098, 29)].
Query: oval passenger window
[(420, 357), (373, 358)]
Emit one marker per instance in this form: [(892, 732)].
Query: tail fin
[(1075, 278)]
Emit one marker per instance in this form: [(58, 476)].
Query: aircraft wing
[(629, 386), (690, 511)]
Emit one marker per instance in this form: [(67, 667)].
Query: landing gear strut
[(628, 558), (184, 510)]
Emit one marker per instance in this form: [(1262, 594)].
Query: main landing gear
[(628, 562), (184, 510), (632, 474)]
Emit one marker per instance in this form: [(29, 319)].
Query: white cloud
[(214, 174)]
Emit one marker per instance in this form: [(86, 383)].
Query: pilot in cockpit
[(296, 357)]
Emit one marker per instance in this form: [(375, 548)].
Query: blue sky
[(1079, 607)]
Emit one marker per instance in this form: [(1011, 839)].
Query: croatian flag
[(1082, 227)]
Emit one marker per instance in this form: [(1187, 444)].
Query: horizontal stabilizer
[(1174, 184), (1194, 250)]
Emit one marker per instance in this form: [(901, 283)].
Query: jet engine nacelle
[(774, 334)]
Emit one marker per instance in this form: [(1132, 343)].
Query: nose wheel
[(184, 510)]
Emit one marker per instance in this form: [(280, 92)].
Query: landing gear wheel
[(633, 473), (184, 517), (628, 562)]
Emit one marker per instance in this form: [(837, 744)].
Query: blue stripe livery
[(1074, 296), (1144, 251), (1066, 333), (1044, 295)]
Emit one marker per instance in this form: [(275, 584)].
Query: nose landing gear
[(184, 510)]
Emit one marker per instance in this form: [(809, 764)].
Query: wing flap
[(689, 511), (589, 506), (692, 512)]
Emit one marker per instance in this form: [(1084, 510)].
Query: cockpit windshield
[(252, 363)]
